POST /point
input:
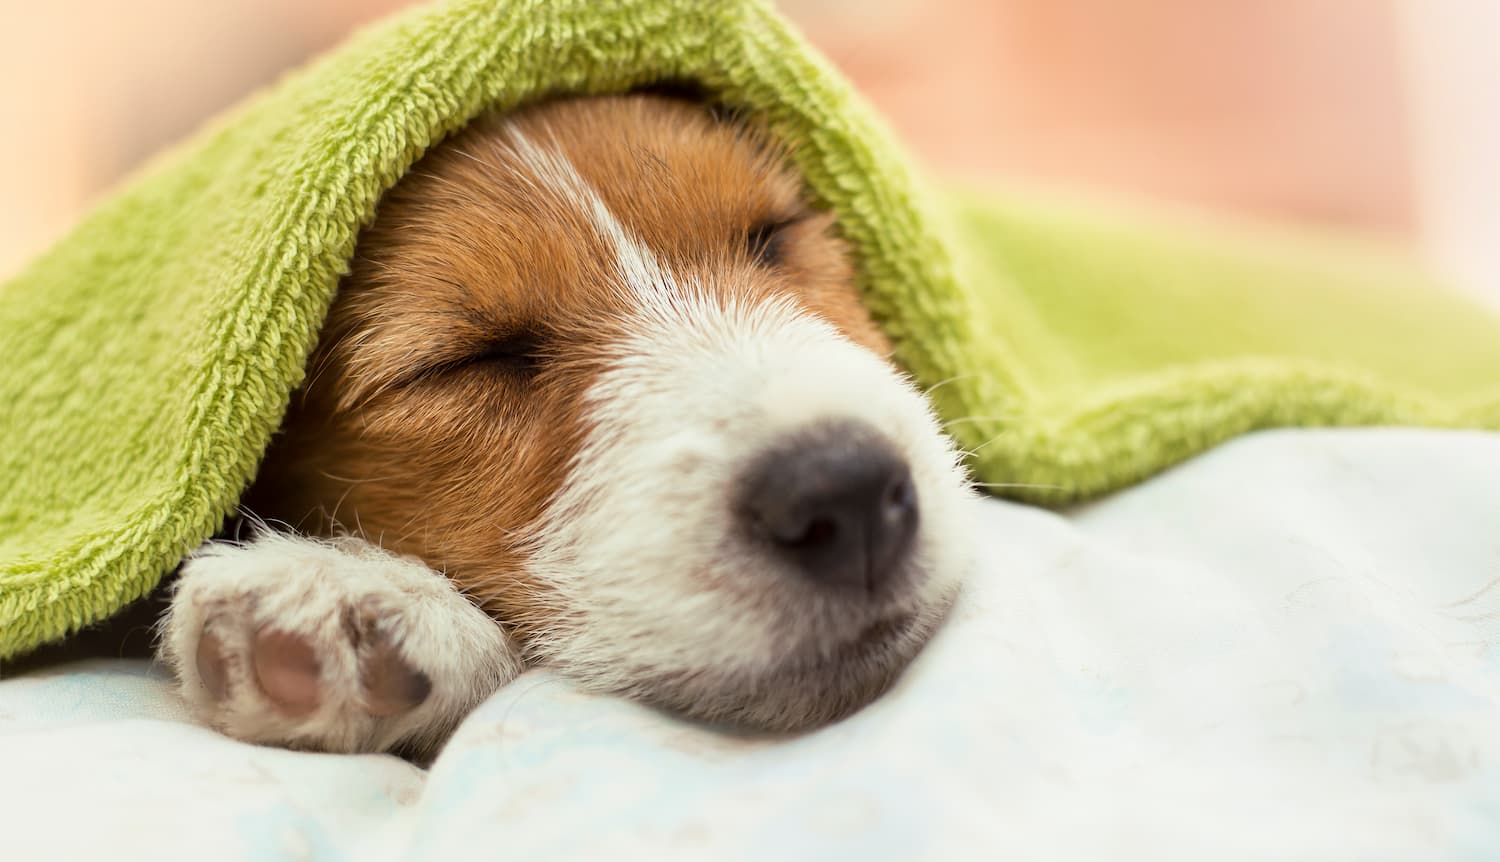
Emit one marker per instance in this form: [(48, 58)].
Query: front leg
[(329, 645)]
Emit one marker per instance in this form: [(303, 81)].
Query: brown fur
[(405, 435)]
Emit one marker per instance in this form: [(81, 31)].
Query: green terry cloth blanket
[(149, 356)]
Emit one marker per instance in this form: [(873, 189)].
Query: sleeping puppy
[(598, 393)]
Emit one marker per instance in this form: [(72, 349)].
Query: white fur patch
[(637, 266), (643, 548)]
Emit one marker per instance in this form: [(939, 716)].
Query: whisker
[(1027, 485), (995, 439), (964, 419), (941, 383)]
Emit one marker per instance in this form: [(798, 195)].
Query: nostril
[(819, 531), (899, 496)]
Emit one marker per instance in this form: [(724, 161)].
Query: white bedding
[(1284, 649)]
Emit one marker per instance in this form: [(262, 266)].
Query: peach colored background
[(1376, 115)]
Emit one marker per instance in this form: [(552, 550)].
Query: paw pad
[(391, 685), (288, 671)]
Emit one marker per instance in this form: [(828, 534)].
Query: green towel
[(149, 356)]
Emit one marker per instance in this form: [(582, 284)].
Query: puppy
[(598, 393)]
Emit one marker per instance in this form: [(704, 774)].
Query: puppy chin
[(807, 689)]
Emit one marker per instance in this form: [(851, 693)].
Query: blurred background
[(1378, 116)]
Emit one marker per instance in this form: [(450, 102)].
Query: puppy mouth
[(819, 686), (872, 642), (804, 690)]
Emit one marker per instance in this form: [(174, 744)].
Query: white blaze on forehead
[(639, 268)]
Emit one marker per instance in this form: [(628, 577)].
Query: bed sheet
[(1286, 648)]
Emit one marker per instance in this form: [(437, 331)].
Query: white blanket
[(1284, 649)]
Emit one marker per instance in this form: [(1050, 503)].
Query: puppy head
[(600, 363)]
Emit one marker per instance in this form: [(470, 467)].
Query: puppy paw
[(330, 646)]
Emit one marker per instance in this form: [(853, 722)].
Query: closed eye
[(516, 356), (766, 242), (519, 352)]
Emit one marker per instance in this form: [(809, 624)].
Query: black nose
[(837, 503)]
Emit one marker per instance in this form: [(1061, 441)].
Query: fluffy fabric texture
[(150, 355)]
